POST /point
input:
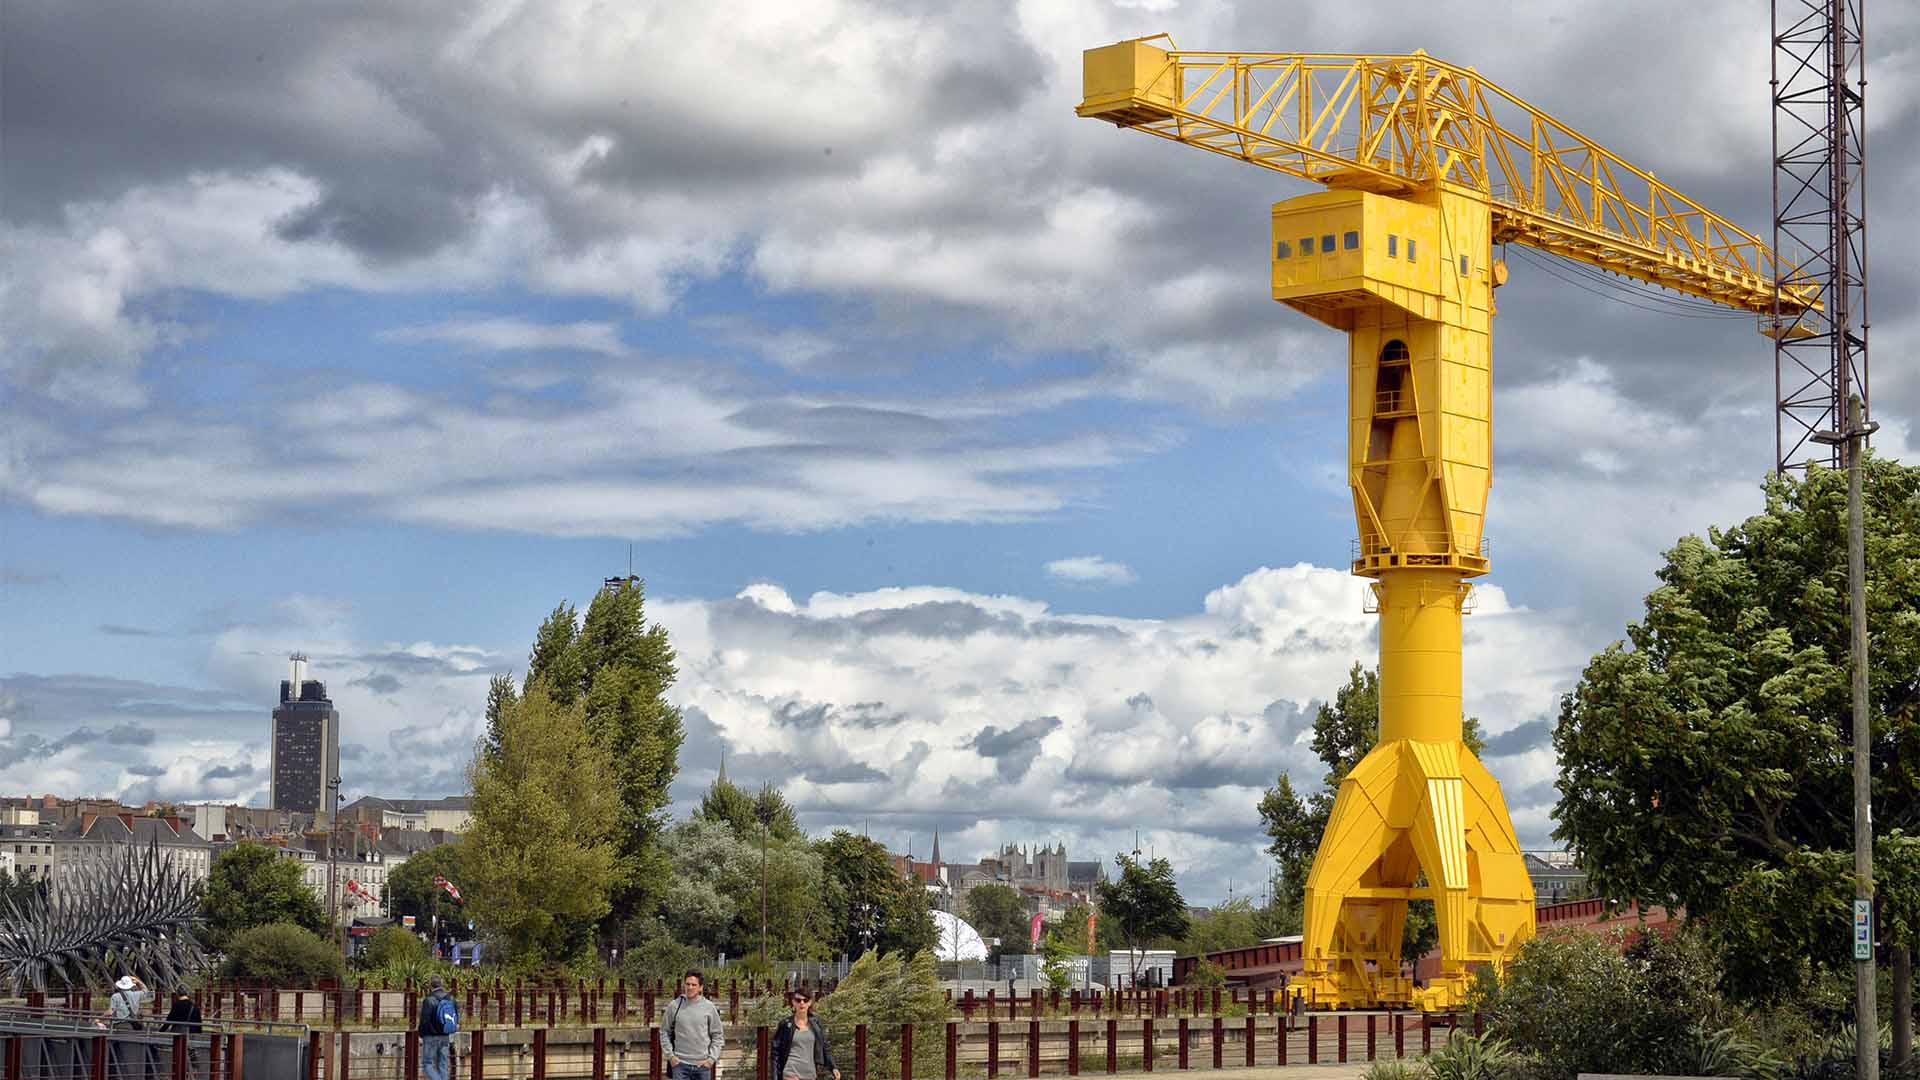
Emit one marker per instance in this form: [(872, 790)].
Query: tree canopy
[(617, 668), (1344, 730), (541, 855), (1143, 903), (997, 911), (713, 900), (253, 885), (1706, 760), (410, 889), (730, 804), (869, 905)]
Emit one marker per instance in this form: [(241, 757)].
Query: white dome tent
[(958, 941)]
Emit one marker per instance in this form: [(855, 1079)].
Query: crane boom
[(1396, 124)]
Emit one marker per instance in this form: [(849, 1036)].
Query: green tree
[(555, 658), (727, 802), (713, 901), (997, 911), (1706, 760), (410, 889), (501, 694), (253, 885), (540, 856), (1055, 955), (1144, 905), (395, 945), (884, 990), (282, 954), (869, 906), (1344, 731), (625, 668), (1233, 925)]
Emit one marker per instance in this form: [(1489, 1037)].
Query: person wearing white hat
[(128, 1000)]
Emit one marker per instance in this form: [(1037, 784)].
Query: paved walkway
[(1353, 1070)]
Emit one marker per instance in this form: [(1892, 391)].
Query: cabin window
[(1282, 251), (1353, 240), (1393, 245), (1326, 244)]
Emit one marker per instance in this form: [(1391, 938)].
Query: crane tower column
[(1409, 277)]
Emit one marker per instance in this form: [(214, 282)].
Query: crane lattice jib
[(1397, 124)]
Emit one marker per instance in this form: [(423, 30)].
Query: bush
[(665, 959), (1578, 1003), (1206, 975), (884, 991), (394, 945), (1395, 1070), (282, 954), (1473, 1057)]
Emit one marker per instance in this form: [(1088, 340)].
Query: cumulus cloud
[(903, 710), (1091, 570), (1008, 719)]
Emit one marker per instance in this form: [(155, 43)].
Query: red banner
[(1033, 931), (447, 885)]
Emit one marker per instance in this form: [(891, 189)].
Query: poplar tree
[(541, 857)]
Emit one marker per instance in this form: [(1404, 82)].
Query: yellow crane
[(1428, 166)]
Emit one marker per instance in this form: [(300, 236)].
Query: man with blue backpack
[(439, 1019)]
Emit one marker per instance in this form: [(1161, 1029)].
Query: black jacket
[(184, 1017), (823, 1065)]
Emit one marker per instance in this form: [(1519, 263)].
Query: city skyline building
[(306, 745)]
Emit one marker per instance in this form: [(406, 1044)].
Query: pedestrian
[(691, 1032), (183, 1018), (800, 1048), (439, 1019), (129, 999)]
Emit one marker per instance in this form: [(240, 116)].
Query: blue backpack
[(447, 1015)]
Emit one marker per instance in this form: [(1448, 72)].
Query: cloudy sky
[(979, 481)]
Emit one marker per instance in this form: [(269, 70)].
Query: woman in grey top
[(800, 1049)]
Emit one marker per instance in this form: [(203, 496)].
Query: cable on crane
[(1610, 288)]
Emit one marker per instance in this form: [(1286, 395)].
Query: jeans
[(433, 1055), (686, 1070)]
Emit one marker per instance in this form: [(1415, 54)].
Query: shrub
[(282, 954), (394, 945), (665, 959), (1722, 1052), (1206, 975), (883, 991), (1395, 1070), (1578, 1003), (1473, 1057)]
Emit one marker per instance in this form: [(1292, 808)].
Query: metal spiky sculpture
[(136, 915)]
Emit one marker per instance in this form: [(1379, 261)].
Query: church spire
[(723, 765), (936, 847)]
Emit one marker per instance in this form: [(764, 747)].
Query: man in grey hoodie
[(692, 1033)]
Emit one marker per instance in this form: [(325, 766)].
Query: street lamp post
[(333, 895), (1866, 1009)]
